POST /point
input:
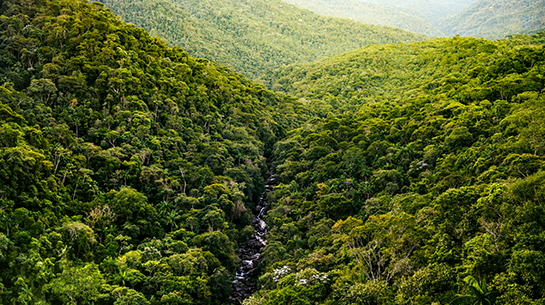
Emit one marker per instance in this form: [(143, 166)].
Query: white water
[(245, 283)]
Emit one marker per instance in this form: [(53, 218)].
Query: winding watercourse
[(245, 283)]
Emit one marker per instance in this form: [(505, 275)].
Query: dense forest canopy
[(252, 36), (420, 180), (128, 168), (408, 173)]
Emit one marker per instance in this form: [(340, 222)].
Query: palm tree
[(479, 294)]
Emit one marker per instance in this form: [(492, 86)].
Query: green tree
[(77, 285), (479, 293)]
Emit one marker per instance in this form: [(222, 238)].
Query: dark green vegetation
[(438, 175), (252, 36), (497, 18), (127, 168), (409, 173)]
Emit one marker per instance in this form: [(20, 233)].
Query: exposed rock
[(245, 283)]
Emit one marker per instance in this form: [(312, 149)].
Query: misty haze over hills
[(496, 19), (483, 18)]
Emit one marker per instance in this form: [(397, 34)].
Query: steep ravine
[(245, 283)]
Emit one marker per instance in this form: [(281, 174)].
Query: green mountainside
[(129, 170), (495, 19), (422, 177), (252, 36)]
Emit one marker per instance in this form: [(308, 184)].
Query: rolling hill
[(108, 138), (252, 36)]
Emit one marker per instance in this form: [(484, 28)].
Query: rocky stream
[(245, 283)]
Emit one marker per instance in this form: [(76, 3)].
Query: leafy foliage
[(418, 166), (479, 291), (128, 168)]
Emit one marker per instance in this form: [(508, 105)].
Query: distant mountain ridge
[(420, 16), (495, 19), (254, 36), (483, 18), (431, 10), (371, 13)]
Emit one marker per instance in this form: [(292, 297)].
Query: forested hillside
[(252, 36), (422, 182), (128, 169), (495, 19)]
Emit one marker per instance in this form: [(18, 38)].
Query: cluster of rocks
[(245, 283)]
